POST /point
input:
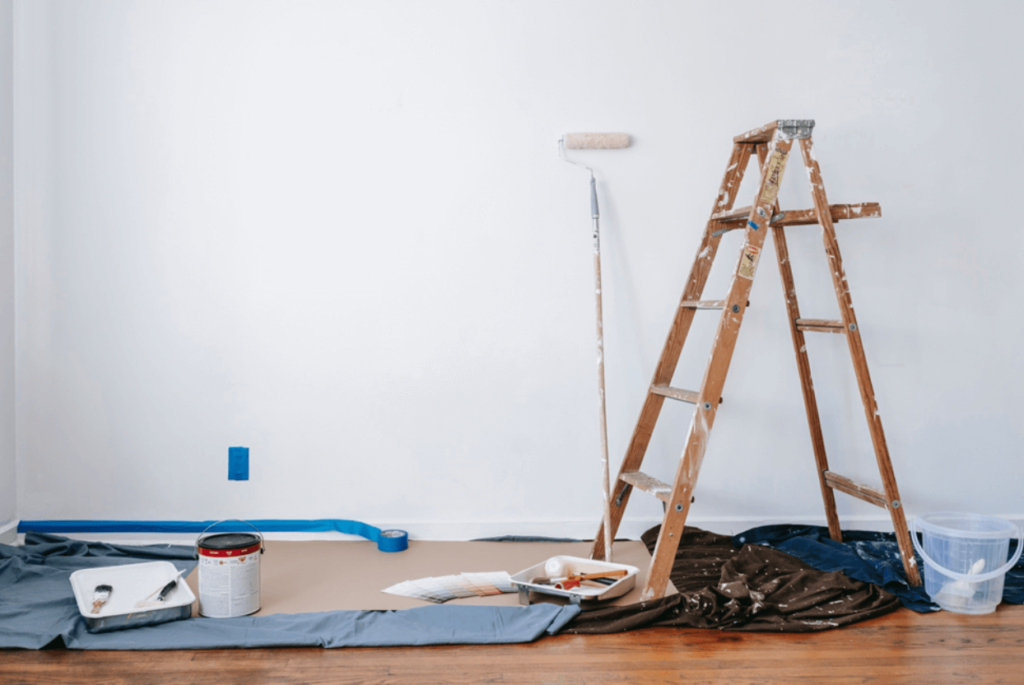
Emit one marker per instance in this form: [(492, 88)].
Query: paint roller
[(598, 141)]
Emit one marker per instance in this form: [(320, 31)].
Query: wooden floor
[(903, 647)]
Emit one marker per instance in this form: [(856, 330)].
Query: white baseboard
[(582, 529), (9, 533)]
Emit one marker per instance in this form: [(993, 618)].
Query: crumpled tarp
[(864, 555), (37, 607), (747, 588)]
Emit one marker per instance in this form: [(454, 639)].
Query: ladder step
[(850, 487), (675, 393), (820, 325), (805, 217), (641, 481), (739, 214), (703, 304), (737, 218)]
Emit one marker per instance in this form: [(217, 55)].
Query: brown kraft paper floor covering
[(301, 577), (751, 588)]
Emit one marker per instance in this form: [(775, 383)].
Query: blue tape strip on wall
[(387, 540)]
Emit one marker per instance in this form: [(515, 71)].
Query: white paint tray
[(576, 595), (132, 583)]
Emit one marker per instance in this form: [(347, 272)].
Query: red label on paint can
[(228, 552)]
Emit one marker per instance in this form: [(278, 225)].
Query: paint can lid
[(229, 541)]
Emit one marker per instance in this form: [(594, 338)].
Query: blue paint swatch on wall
[(238, 463)]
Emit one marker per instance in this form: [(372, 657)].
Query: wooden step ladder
[(772, 145)]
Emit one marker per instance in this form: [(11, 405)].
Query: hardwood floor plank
[(902, 647)]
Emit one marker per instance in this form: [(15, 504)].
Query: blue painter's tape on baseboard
[(385, 543), (238, 463)]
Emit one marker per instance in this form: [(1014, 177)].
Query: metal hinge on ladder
[(795, 129)]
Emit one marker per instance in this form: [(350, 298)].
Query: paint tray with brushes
[(131, 595), (575, 578)]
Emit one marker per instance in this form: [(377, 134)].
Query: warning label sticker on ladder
[(776, 165), (748, 262)]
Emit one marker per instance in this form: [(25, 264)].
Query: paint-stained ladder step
[(807, 217), (802, 217), (855, 489), (675, 393), (739, 214), (820, 325), (703, 304), (641, 481)]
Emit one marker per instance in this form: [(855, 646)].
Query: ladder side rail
[(853, 338), (803, 365), (665, 369), (714, 376)]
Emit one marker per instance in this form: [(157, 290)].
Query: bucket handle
[(968, 577), (200, 538)]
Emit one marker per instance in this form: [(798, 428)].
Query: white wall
[(8, 490), (340, 234)]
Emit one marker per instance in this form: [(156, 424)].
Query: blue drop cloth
[(37, 606), (863, 555)]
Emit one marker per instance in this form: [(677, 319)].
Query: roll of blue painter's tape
[(393, 541)]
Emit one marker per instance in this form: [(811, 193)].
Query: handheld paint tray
[(133, 585), (583, 593)]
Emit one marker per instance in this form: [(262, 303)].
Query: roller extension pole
[(599, 141), (606, 476)]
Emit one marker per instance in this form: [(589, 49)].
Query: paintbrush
[(162, 592), (100, 596), (575, 580)]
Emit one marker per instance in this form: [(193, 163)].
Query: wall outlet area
[(238, 463)]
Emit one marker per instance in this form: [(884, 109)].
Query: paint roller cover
[(596, 141)]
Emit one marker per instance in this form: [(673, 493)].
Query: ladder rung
[(675, 393), (737, 218), (805, 217), (703, 304), (821, 325), (864, 492), (641, 481), (732, 215)]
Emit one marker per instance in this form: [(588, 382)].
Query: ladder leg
[(804, 369), (620, 491), (806, 384), (677, 511), (867, 393), (714, 376)]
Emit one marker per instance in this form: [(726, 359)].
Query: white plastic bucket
[(229, 573), (965, 559)]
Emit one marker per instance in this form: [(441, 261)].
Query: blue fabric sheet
[(37, 606), (863, 555)]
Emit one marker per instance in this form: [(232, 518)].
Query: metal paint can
[(229, 573)]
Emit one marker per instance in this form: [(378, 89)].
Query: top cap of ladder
[(792, 129)]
